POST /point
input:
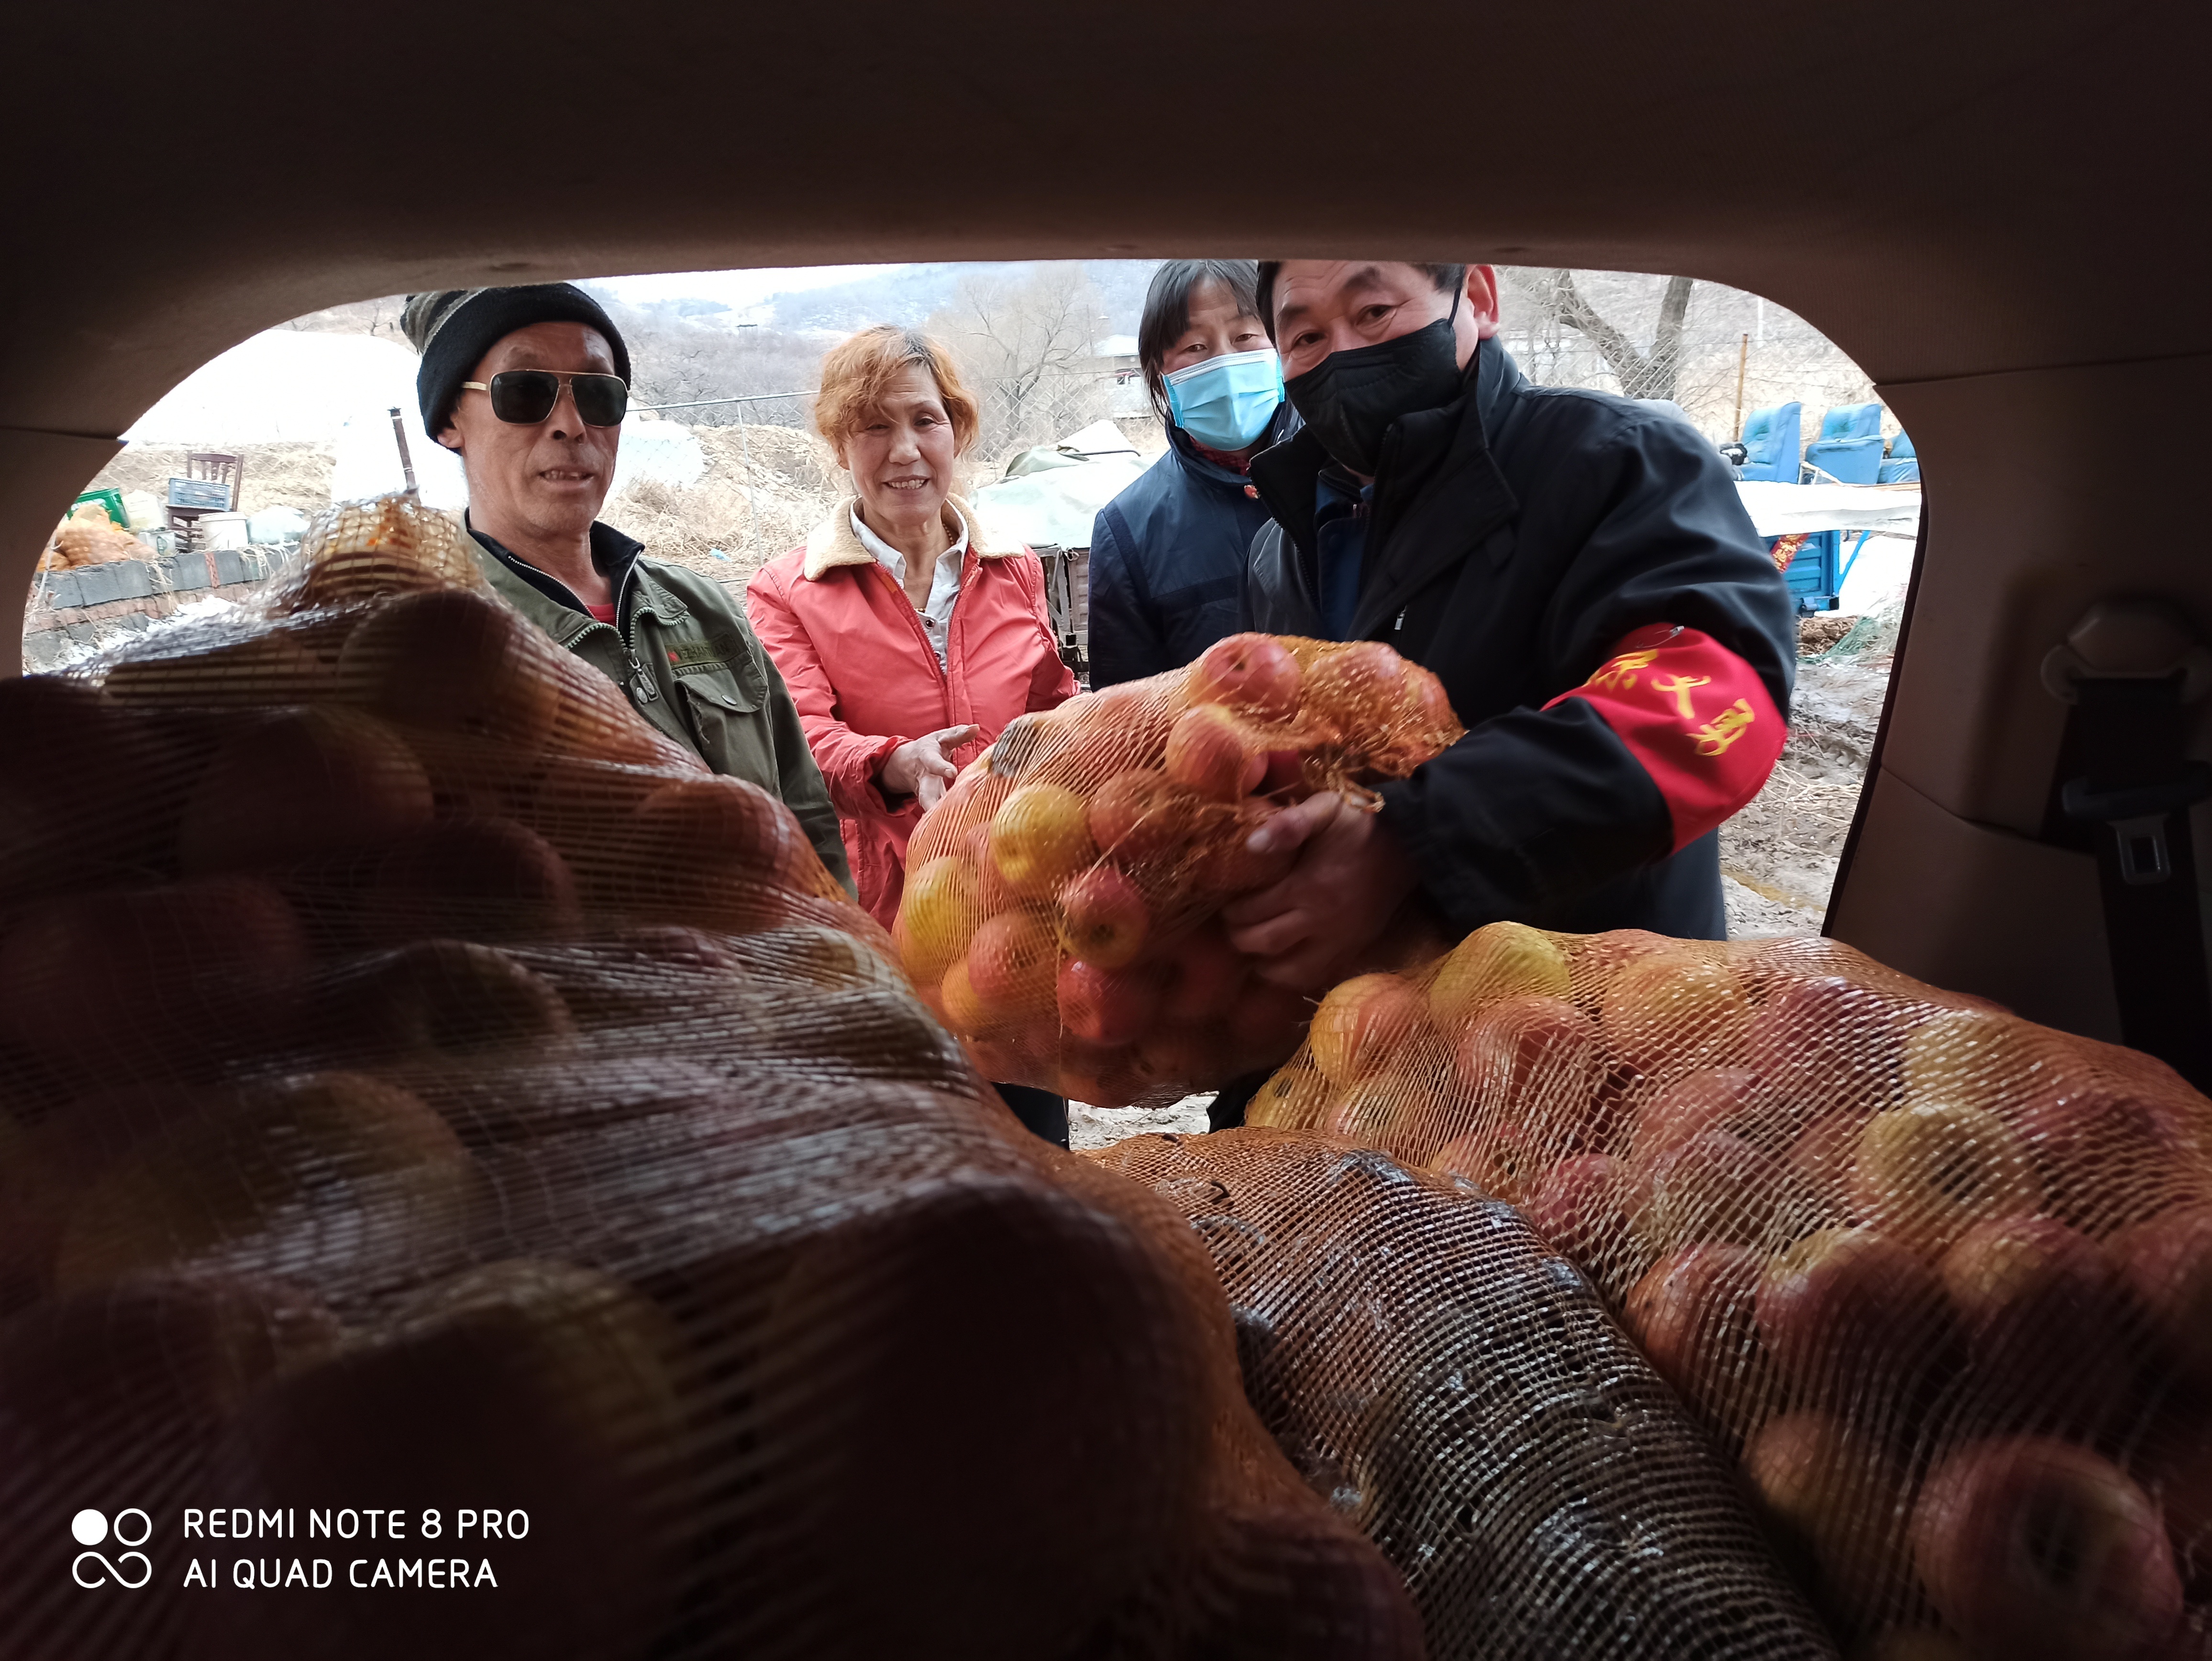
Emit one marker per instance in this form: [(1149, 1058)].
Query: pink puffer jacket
[(852, 648)]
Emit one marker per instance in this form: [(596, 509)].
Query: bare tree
[(1642, 373), (1031, 339)]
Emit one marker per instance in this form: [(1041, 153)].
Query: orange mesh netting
[(471, 1172), (1939, 1279), (1461, 1393), (1061, 903)]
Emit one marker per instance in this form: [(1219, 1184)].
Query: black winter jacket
[(1167, 560), (1516, 535)]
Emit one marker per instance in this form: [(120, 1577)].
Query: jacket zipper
[(913, 616), (640, 684)]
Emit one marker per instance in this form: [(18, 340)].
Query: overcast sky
[(737, 289)]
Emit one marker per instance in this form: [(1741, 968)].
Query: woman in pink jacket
[(907, 635)]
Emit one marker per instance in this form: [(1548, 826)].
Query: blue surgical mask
[(1226, 402)]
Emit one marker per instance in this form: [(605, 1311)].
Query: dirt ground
[(1778, 855), (276, 475)]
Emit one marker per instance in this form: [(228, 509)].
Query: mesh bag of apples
[(1939, 1279), (451, 1143), (1062, 909), (1434, 1368)]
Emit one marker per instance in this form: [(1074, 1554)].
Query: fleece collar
[(832, 543)]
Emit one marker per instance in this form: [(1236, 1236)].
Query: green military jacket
[(692, 668)]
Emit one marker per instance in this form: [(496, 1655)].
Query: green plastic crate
[(110, 499)]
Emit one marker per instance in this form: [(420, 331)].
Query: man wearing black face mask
[(1578, 571)]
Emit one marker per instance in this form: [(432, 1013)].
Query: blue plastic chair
[(1903, 466), (1848, 448), (1770, 442)]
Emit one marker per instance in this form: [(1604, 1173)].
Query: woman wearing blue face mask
[(1167, 555)]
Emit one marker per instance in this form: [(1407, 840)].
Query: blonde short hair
[(857, 372)]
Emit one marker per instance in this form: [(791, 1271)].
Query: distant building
[(1117, 354)]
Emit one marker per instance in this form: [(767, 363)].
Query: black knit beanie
[(453, 328)]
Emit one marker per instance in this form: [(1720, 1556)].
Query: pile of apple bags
[(1061, 910), (425, 1091), (1941, 1278)]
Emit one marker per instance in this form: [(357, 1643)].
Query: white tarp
[(1057, 505), (295, 386), (1780, 510)]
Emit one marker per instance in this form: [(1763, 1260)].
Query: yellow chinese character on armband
[(1725, 728), (1681, 686), (1620, 672)]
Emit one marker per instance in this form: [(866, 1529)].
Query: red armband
[(1696, 715)]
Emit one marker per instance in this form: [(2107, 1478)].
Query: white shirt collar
[(890, 556), (943, 582)]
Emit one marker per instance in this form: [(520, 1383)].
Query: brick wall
[(97, 605)]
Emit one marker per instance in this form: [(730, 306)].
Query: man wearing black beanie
[(528, 385)]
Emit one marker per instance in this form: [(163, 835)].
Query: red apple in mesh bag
[(432, 998), (1141, 818), (86, 785), (1667, 1015), (1593, 961), (1104, 1006), (1294, 1098), (1103, 918), (2048, 1323), (1717, 1098), (299, 784), (327, 1173), (1364, 1023), (994, 893), (1822, 1156), (1500, 960), (1579, 1208), (1380, 1109), (1975, 1058), (1252, 673), (1012, 964), (525, 1386), (1040, 838), (1926, 1174), (2106, 1155), (1208, 752), (1300, 1587), (459, 662), (1205, 974), (1835, 1492), (1502, 1160), (204, 970), (2036, 1548), (117, 1396), (1825, 1044), (1693, 1315), (1527, 1051), (938, 915), (1718, 1187), (1357, 690), (2167, 1263), (720, 822), (492, 879), (1848, 1310)]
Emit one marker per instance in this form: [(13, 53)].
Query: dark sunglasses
[(526, 397)]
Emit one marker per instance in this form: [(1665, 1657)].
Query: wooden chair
[(213, 467)]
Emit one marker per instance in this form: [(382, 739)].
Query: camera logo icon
[(91, 1528)]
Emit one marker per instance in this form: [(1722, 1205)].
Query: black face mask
[(1351, 398)]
